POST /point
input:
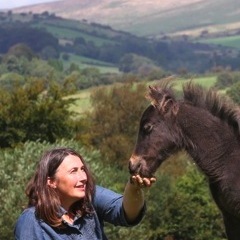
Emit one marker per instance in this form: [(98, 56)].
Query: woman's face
[(70, 180)]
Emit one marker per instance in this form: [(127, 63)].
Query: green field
[(70, 30), (84, 62), (204, 81), (230, 41), (83, 103)]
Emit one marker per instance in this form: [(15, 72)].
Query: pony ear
[(163, 100), (167, 106)]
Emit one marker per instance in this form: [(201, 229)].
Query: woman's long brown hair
[(45, 198)]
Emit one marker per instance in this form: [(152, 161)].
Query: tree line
[(167, 54)]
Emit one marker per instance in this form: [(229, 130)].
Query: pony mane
[(217, 104)]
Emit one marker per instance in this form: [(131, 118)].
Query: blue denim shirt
[(107, 205)]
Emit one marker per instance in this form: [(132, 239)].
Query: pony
[(206, 125)]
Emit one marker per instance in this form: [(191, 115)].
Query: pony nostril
[(133, 168)]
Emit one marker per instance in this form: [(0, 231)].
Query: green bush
[(183, 209), (227, 79), (178, 208)]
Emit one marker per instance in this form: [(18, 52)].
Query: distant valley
[(195, 36)]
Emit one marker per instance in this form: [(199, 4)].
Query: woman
[(64, 202)]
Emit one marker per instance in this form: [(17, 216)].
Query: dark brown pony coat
[(204, 124)]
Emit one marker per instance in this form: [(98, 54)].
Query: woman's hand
[(137, 180)]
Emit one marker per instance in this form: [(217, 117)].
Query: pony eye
[(147, 128)]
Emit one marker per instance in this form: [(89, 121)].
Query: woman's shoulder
[(28, 215), (26, 225), (29, 211)]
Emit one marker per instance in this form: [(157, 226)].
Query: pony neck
[(208, 139)]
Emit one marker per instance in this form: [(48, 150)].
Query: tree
[(233, 92), (33, 112), (49, 52), (224, 79), (8, 79), (34, 67), (56, 64), (21, 50), (137, 64), (114, 120), (18, 32), (12, 63)]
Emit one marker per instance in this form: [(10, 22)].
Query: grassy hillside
[(202, 14), (147, 18), (91, 44), (66, 31), (70, 30), (84, 62)]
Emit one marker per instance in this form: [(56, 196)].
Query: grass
[(83, 103), (71, 34), (202, 15), (230, 41), (84, 62), (207, 82)]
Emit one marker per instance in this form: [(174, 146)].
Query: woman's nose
[(82, 176)]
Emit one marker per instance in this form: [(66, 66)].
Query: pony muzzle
[(134, 165)]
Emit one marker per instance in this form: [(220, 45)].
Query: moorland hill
[(149, 18)]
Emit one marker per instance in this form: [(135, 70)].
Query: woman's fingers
[(142, 182)]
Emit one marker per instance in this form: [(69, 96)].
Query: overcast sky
[(8, 4)]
